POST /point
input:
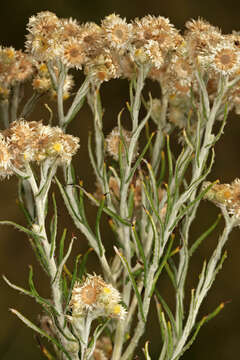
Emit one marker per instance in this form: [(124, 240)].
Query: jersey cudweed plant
[(149, 193)]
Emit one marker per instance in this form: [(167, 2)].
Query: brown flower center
[(74, 52), (225, 59), (119, 33), (89, 295)]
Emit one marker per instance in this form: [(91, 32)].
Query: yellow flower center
[(57, 147), (106, 290), (117, 309)]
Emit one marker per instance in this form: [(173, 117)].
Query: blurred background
[(220, 338)]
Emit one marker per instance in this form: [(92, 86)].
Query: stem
[(4, 116), (124, 231), (30, 104), (40, 203), (201, 293), (14, 102), (159, 141)]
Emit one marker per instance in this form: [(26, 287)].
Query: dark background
[(220, 338)]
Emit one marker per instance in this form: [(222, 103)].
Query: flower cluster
[(227, 195), (15, 67), (116, 48), (96, 298), (24, 142)]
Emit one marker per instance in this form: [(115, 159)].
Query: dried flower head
[(117, 141), (117, 31), (92, 37), (154, 52), (44, 37), (158, 29), (102, 67), (201, 36), (15, 67), (74, 53), (227, 195), (97, 298), (70, 29), (223, 59), (26, 141), (5, 158)]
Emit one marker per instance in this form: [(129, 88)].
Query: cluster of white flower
[(32, 141)]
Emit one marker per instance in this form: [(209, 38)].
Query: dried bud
[(116, 143)]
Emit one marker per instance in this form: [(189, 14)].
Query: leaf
[(62, 263), (83, 263), (21, 228), (162, 169), (167, 310), (162, 265), (97, 332), (91, 157), (139, 245), (37, 297), (73, 280), (40, 331), (53, 228), (146, 353), (105, 209), (97, 226), (140, 158), (170, 162), (125, 263), (206, 233), (61, 247)]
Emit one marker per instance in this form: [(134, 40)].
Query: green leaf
[(206, 233), (48, 307), (61, 247), (152, 206), (167, 310), (97, 226), (62, 263), (125, 263), (91, 157), (162, 265), (40, 331), (97, 332), (73, 280), (170, 339), (40, 254), (83, 263), (106, 209), (67, 201), (22, 228), (137, 163), (141, 252), (36, 244), (146, 353), (45, 303), (21, 202), (197, 199), (162, 168)]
